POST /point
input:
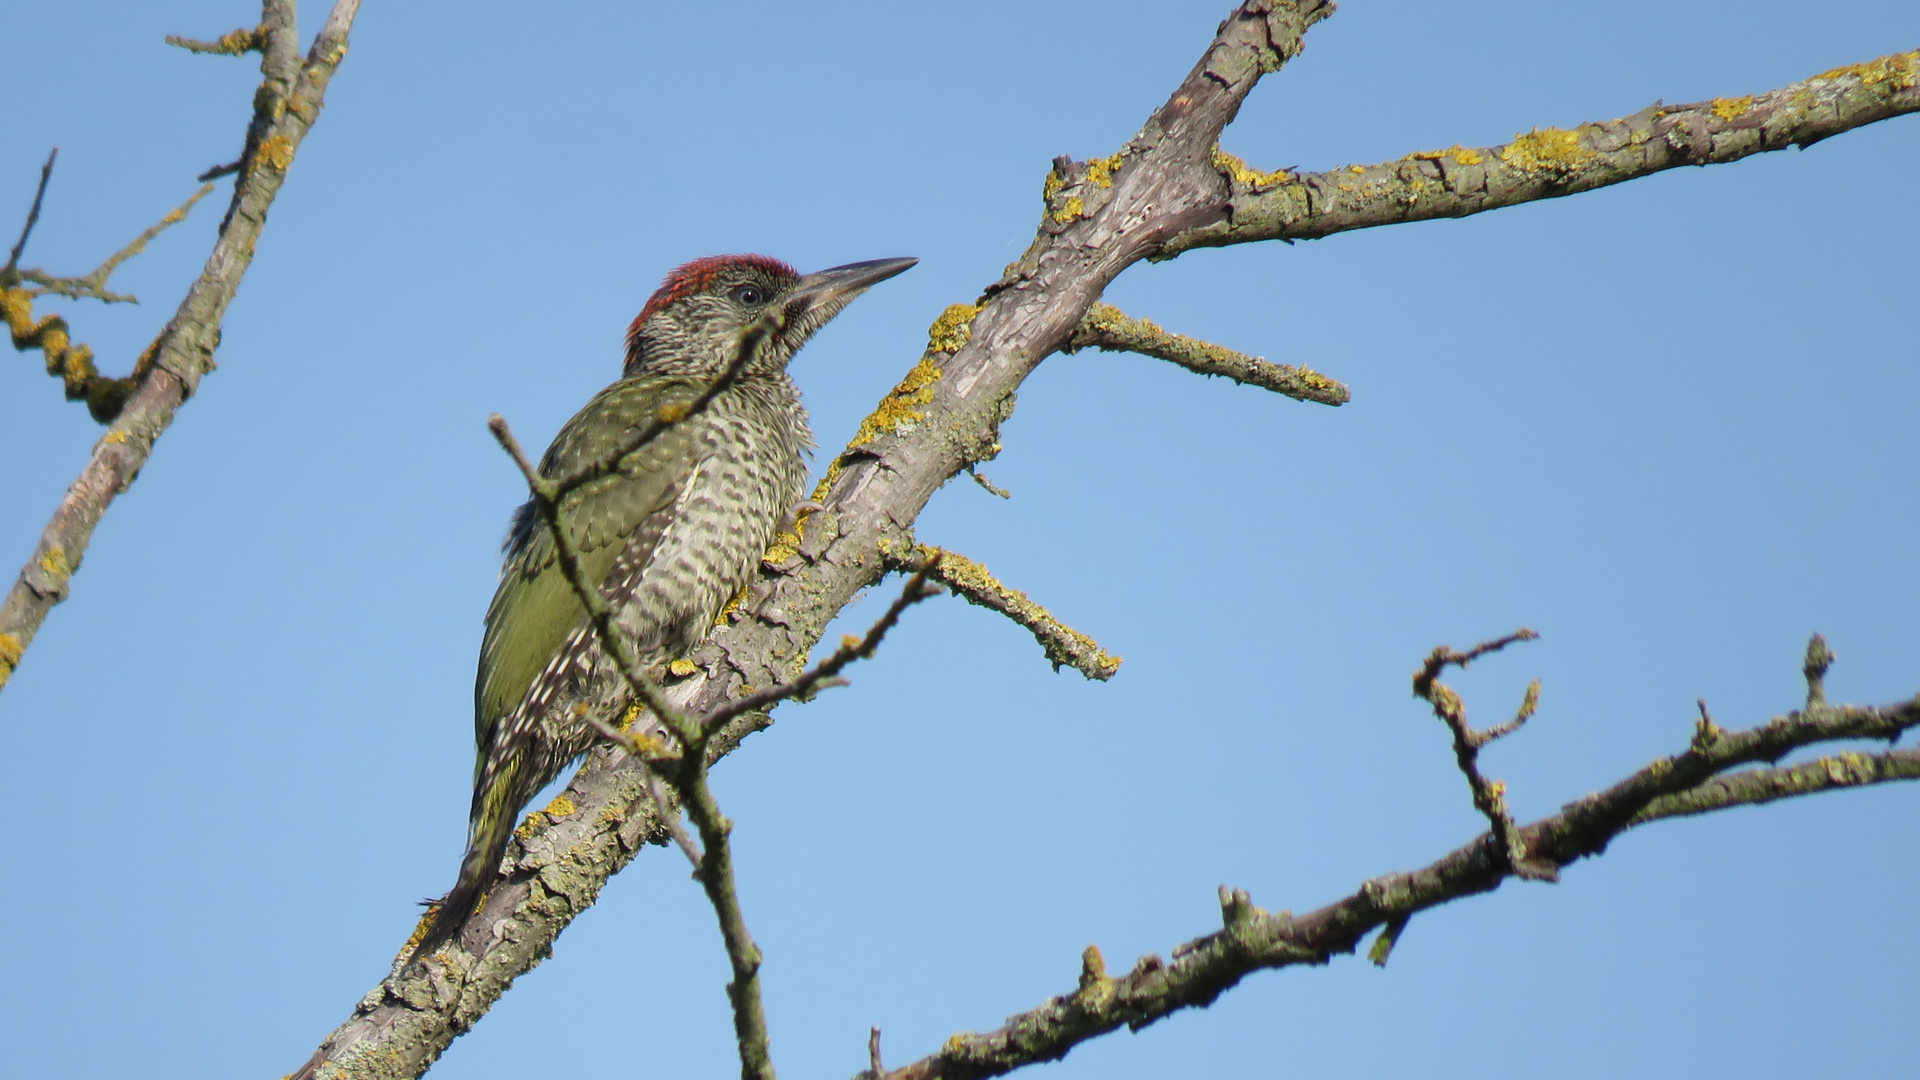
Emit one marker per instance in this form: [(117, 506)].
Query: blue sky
[(1668, 425)]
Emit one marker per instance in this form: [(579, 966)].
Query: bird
[(670, 535)]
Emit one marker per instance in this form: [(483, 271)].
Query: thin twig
[(219, 171), (850, 649), (232, 43), (752, 338), (600, 614), (33, 217), (1489, 796), (93, 285)]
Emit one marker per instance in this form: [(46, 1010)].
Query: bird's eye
[(749, 296)]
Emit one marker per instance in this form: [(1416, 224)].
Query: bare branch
[(1252, 939), (285, 107), (1547, 163), (1108, 328), (232, 43), (33, 217), (1064, 646), (1489, 796), (93, 286)]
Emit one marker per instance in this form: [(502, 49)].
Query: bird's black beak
[(836, 286)]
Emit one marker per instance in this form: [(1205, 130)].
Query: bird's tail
[(487, 832)]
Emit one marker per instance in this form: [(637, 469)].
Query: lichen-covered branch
[(1108, 328), (1550, 162), (286, 105), (1754, 787), (1252, 939), (1064, 646), (69, 361)]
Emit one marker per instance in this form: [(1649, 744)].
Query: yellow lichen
[(897, 408), (10, 652), (1052, 187), (1356, 169), (530, 826), (1073, 208), (1899, 69), (54, 562), (561, 806), (1459, 154), (1546, 148), (1727, 108), (1100, 170), (786, 544), (956, 1043), (276, 152), (974, 579), (682, 667), (1242, 173), (733, 605), (626, 720), (949, 332), (116, 436)]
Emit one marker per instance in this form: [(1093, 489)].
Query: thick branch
[(1548, 163), (1252, 939), (1108, 328), (287, 104)]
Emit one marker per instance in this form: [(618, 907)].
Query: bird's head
[(692, 323)]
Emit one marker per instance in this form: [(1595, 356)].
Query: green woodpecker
[(671, 535)]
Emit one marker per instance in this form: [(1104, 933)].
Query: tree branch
[(1548, 163), (1064, 646), (1252, 939), (285, 107), (1489, 797), (1108, 328), (73, 363), (33, 218)]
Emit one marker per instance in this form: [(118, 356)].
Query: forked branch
[(1251, 939)]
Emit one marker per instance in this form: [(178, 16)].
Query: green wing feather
[(534, 609)]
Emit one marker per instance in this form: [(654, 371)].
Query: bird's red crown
[(690, 278)]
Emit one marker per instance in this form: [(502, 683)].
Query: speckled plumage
[(672, 534)]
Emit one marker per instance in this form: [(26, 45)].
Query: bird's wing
[(534, 610)]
